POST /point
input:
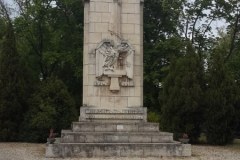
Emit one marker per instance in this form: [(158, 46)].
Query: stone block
[(131, 91), (115, 138), (95, 17), (134, 38), (92, 138), (133, 151), (106, 17), (124, 18), (91, 58), (139, 139), (91, 48), (92, 7), (162, 138), (53, 151), (90, 91), (128, 28), (138, 81), (134, 102), (107, 36), (133, 18), (138, 70), (101, 7), (143, 150), (101, 27), (91, 78), (92, 70), (105, 127), (92, 27), (138, 29), (93, 101), (150, 127), (107, 102), (83, 127), (67, 138), (78, 138), (121, 102), (138, 90), (138, 60), (124, 92), (128, 8), (128, 128), (95, 37), (131, 1)]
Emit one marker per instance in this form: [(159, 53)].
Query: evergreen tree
[(221, 96), (182, 91), (51, 107), (12, 87)]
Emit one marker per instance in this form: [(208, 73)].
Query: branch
[(5, 12), (234, 36)]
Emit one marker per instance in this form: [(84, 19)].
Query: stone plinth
[(101, 139), (135, 114)]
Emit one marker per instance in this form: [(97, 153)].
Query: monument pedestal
[(118, 137)]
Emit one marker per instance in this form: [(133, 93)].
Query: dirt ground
[(29, 151)]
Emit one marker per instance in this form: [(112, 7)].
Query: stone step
[(114, 127), (115, 137), (140, 150)]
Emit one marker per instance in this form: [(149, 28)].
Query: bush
[(182, 96), (50, 107), (153, 117), (220, 114)]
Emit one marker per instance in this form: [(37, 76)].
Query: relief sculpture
[(114, 64)]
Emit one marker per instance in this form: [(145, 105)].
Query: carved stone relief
[(114, 64)]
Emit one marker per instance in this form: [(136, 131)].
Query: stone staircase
[(116, 139)]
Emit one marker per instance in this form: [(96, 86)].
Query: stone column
[(113, 42)]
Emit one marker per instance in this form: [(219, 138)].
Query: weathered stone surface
[(116, 137), (114, 127), (140, 150)]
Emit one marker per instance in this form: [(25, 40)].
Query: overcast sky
[(216, 24)]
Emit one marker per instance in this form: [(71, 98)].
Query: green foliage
[(12, 87), (50, 107), (181, 111), (221, 96), (153, 117)]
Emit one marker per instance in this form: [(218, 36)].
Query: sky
[(215, 24)]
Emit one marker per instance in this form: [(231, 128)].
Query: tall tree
[(161, 42), (50, 37), (12, 83), (182, 108), (221, 97)]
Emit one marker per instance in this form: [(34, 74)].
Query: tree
[(13, 88), (182, 91), (50, 107), (221, 97), (161, 42)]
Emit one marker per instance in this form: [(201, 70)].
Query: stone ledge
[(139, 150), (116, 137), (114, 127)]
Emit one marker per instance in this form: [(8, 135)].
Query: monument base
[(95, 135)]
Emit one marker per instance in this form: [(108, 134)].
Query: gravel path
[(27, 151)]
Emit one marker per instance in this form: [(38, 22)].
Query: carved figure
[(114, 62), (111, 57)]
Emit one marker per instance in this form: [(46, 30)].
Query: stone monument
[(113, 121)]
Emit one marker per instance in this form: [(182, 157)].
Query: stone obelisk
[(113, 121), (113, 61)]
